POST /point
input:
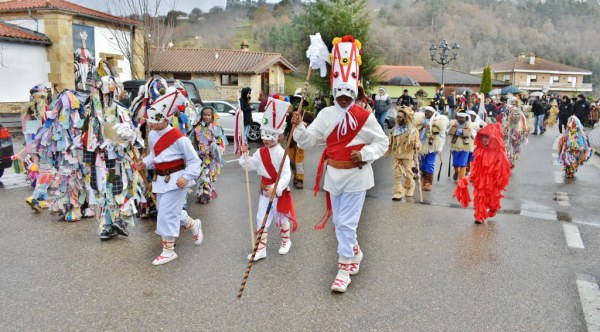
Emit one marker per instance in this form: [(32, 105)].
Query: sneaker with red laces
[(164, 257)]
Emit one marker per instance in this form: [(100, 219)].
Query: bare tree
[(156, 34)]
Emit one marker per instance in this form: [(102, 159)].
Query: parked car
[(6, 149), (390, 118), (226, 113), (132, 88)]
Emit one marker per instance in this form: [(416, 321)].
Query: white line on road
[(562, 198), (555, 159), (589, 295), (555, 143), (558, 177), (586, 223), (232, 160), (573, 237)]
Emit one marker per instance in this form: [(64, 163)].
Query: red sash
[(167, 140), (285, 203), (338, 149)]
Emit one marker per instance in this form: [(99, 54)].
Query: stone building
[(58, 43), (228, 70)]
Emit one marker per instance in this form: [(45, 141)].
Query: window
[(571, 79), (506, 78), (554, 78), (229, 79), (532, 78), (182, 76)]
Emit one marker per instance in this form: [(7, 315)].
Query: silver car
[(226, 116)]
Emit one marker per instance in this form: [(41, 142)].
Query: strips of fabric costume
[(58, 144), (573, 147), (515, 132), (209, 140)]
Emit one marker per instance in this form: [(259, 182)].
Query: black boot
[(107, 233), (120, 227)]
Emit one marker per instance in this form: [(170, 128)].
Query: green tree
[(486, 80), (337, 18)]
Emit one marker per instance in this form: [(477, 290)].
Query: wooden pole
[(143, 175), (249, 202), (264, 222)]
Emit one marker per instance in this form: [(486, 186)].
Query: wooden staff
[(143, 175), (249, 201), (416, 158), (264, 222)]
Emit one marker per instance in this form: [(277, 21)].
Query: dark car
[(6, 149), (132, 88)]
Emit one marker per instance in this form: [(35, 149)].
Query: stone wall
[(14, 107), (59, 28)]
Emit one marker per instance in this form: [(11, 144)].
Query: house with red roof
[(412, 78), (59, 43), (528, 72)]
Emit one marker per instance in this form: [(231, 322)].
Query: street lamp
[(444, 56)]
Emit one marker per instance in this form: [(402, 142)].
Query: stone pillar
[(59, 28), (138, 53)]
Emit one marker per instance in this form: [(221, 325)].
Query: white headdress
[(345, 62), (274, 120), (166, 105)]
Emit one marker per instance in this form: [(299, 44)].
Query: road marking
[(558, 177), (534, 210), (586, 223), (555, 159), (589, 295), (10, 180), (555, 143), (562, 198), (573, 237)]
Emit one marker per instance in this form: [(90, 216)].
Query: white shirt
[(338, 181), (255, 163), (181, 149)]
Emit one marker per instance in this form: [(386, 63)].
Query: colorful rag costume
[(490, 174), (267, 162), (573, 147), (209, 140), (344, 130), (515, 132)]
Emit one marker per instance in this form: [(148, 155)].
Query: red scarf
[(167, 140), (285, 203), (338, 149)]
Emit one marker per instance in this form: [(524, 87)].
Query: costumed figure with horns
[(462, 133), (404, 143), (432, 128), (108, 143), (515, 130), (354, 139), (176, 166), (266, 162), (573, 147), (490, 174)]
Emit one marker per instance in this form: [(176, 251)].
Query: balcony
[(556, 86)]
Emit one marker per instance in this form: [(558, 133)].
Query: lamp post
[(443, 51)]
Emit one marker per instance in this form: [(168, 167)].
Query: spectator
[(565, 110), (538, 111), (383, 103), (263, 97), (319, 102), (405, 100), (581, 109), (246, 109), (451, 104)]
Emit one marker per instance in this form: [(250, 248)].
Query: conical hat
[(276, 110)]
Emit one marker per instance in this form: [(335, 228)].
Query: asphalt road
[(427, 267)]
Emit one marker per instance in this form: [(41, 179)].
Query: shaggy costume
[(573, 147), (515, 133), (490, 174), (404, 142), (462, 135), (432, 133)]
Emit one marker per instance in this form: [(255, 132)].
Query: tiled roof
[(11, 32), (215, 61), (418, 73), (454, 77), (24, 5), (539, 65)]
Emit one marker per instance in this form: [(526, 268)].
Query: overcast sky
[(182, 5)]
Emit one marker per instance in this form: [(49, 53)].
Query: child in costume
[(354, 139), (490, 174), (209, 140), (404, 144), (573, 147), (176, 166), (432, 128), (266, 161), (462, 133)]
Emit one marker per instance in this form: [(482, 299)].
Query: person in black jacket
[(581, 109), (246, 109), (405, 100), (539, 112), (565, 110)]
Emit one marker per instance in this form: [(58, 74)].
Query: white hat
[(471, 112), (429, 108), (345, 63), (274, 119), (165, 106), (461, 114)]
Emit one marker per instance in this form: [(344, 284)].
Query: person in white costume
[(176, 165), (354, 139), (266, 162)]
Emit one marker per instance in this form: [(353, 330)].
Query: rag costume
[(515, 132), (432, 133), (573, 147), (403, 144), (461, 143), (209, 140), (490, 174), (172, 156), (345, 130), (266, 162)]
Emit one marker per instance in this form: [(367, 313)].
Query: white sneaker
[(165, 257), (197, 231), (355, 266), (260, 254), (285, 247), (341, 282)]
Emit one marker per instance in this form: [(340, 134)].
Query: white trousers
[(346, 208), (263, 203), (171, 215)]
